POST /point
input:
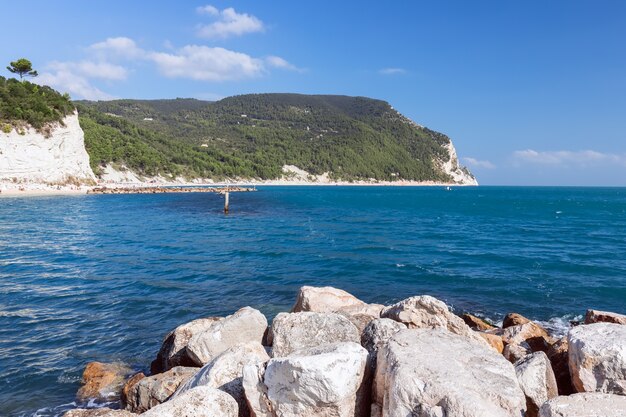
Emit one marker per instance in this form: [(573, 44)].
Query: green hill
[(23, 103), (254, 136)]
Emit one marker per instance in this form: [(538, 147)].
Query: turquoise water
[(103, 278)]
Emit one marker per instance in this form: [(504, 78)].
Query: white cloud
[(120, 47), (392, 71), (90, 69), (74, 77), (477, 163), (208, 9), (281, 63), (581, 158), (207, 64), (76, 85), (229, 23)]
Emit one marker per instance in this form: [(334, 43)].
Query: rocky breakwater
[(334, 355), (167, 189)]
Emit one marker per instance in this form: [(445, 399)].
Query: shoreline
[(43, 190), (535, 368)]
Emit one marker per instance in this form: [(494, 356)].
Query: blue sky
[(530, 92)]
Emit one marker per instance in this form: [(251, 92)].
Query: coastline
[(41, 190), (242, 360)]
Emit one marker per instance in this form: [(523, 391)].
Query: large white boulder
[(537, 380), (317, 382), (246, 325), (173, 351), (324, 300), (334, 300), (198, 402), (296, 331), (588, 404), (225, 372), (426, 312), (434, 372), (597, 358)]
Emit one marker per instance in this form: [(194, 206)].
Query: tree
[(23, 67)]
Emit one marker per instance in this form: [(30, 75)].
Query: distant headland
[(50, 144)]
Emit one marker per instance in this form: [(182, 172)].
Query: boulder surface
[(513, 319), (378, 332), (225, 372), (536, 378), (153, 390), (246, 325), (173, 351), (316, 382), (531, 333), (585, 405), (476, 323), (597, 358), (433, 372), (102, 381), (597, 316), (98, 412), (296, 331), (426, 312), (197, 402), (324, 300)]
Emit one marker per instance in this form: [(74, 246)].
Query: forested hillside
[(24, 103), (254, 136)]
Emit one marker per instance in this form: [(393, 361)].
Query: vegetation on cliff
[(22, 102), (248, 136), (255, 135)]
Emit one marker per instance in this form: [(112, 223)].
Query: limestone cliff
[(29, 156), (460, 175)]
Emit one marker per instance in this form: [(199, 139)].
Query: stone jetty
[(164, 190), (334, 355)]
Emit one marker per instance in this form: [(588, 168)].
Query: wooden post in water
[(226, 202)]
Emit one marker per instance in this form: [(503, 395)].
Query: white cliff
[(33, 158), (459, 174)]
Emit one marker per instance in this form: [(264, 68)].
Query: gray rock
[(225, 372), (255, 390), (378, 332), (173, 351), (296, 331), (246, 325), (514, 352), (585, 405), (197, 402), (156, 389), (324, 300), (323, 381), (433, 372), (426, 312), (333, 300), (597, 358), (536, 379)]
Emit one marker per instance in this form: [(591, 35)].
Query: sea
[(105, 277)]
